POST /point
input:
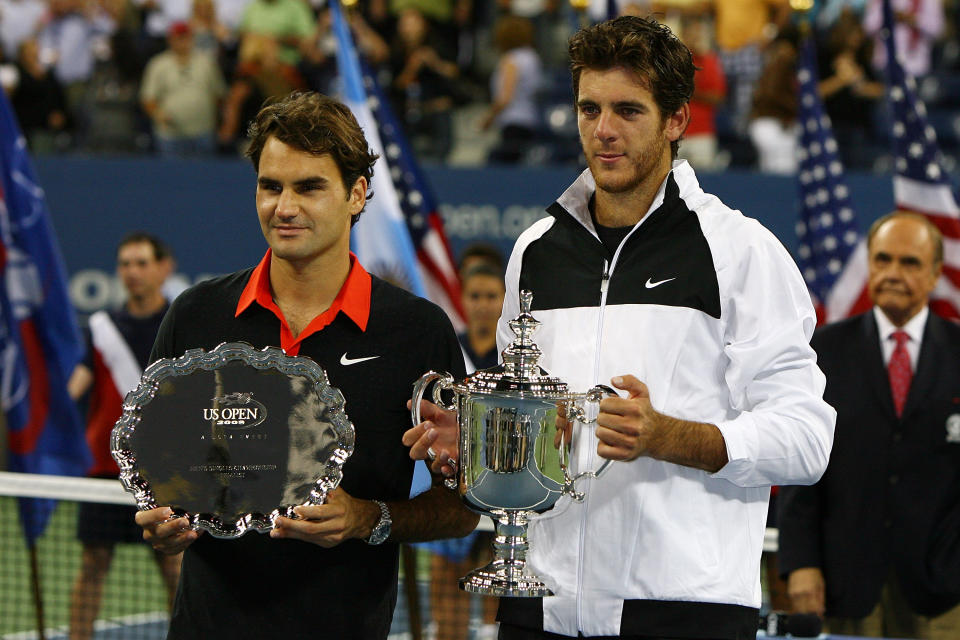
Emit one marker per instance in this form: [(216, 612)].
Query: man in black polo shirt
[(331, 573)]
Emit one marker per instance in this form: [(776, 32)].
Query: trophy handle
[(444, 381), (576, 412)]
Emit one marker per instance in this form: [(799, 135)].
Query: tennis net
[(40, 589), (133, 603)]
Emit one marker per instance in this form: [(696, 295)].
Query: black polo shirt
[(374, 343)]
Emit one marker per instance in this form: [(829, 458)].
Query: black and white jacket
[(708, 309)]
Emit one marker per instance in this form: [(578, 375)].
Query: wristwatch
[(381, 530)]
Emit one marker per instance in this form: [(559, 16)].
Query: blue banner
[(40, 343)]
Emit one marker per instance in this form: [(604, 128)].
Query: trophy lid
[(520, 372)]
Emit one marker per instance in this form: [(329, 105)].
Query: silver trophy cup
[(513, 452)]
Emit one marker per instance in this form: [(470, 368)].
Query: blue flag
[(40, 342)]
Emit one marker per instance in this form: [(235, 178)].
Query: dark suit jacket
[(891, 493)]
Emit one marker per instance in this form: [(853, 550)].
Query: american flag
[(920, 184), (832, 257), (419, 205), (830, 253), (400, 236)]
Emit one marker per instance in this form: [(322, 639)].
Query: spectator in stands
[(550, 22), (230, 14), (272, 36), (869, 545), (19, 20), (261, 74), (850, 90), (116, 122), (209, 34), (181, 92), (918, 24), (699, 146), (514, 86), (743, 30), (319, 64), (444, 18), (158, 17), (118, 349), (422, 88), (38, 100), (287, 23), (75, 30), (773, 127)]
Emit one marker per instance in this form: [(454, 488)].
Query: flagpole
[(37, 592)]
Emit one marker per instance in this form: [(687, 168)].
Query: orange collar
[(353, 300)]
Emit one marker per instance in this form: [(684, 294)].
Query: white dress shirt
[(913, 328)]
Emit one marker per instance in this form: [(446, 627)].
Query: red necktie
[(899, 371)]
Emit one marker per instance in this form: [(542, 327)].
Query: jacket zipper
[(608, 268)]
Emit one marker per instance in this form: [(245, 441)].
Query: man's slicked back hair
[(640, 45), (318, 125), (160, 250)]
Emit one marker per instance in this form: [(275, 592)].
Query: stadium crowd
[(181, 77)]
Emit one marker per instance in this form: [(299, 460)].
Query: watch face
[(380, 534), (381, 531)]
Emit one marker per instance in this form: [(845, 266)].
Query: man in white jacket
[(700, 317)]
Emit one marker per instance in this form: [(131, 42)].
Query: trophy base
[(504, 580)]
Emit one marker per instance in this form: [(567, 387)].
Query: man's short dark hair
[(160, 249), (318, 125), (486, 252), (481, 269), (644, 47), (936, 237)]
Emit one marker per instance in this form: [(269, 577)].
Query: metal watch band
[(381, 530)]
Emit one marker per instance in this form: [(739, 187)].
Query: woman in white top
[(514, 87)]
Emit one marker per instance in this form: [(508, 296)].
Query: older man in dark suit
[(870, 545)]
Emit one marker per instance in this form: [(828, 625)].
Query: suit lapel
[(876, 370), (924, 376)]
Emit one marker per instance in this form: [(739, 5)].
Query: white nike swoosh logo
[(345, 361), (651, 285)]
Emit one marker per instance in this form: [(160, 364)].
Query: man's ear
[(358, 196), (677, 122)]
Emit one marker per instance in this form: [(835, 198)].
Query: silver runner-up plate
[(232, 438)]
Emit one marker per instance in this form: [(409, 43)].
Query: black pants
[(513, 632)]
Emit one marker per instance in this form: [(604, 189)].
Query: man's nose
[(605, 129), (287, 204)]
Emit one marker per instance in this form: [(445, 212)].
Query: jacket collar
[(575, 201)]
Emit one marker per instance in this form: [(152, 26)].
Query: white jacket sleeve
[(782, 432)]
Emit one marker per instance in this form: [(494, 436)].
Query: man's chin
[(607, 180), (893, 308), (288, 254)]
